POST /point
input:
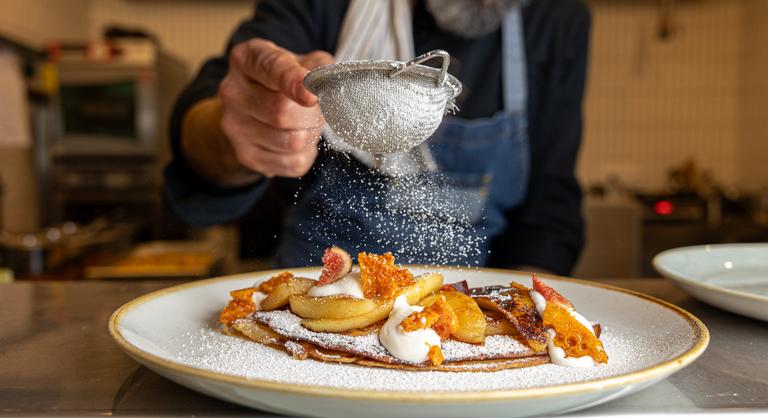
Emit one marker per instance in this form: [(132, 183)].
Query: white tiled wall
[(653, 103)]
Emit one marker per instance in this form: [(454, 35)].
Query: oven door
[(105, 110)]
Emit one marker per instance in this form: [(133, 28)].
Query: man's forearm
[(207, 150)]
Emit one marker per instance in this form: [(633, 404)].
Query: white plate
[(173, 332), (733, 277)]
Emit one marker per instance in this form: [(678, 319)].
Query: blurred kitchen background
[(674, 149)]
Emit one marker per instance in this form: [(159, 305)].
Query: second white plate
[(733, 277), (174, 332)]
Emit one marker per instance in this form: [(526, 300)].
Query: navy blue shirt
[(545, 231)]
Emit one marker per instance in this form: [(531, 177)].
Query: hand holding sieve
[(385, 107)]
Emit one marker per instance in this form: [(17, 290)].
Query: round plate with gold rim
[(174, 332)]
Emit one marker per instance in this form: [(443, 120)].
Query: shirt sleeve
[(297, 25), (546, 231)]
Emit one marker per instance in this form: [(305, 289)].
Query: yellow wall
[(35, 22), (191, 30), (753, 152)]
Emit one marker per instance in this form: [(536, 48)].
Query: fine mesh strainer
[(384, 107)]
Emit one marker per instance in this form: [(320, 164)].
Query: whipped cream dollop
[(557, 354), (257, 298), (407, 346), (348, 285)]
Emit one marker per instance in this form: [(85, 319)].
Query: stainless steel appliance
[(105, 131), (106, 108)]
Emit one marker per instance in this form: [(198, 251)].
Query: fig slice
[(336, 264), (550, 294), (461, 287)]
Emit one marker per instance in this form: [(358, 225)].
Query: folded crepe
[(523, 344)]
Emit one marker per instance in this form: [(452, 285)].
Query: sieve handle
[(438, 53)]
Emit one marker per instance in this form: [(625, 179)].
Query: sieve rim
[(427, 72)]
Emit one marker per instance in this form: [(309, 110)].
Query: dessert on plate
[(379, 314)]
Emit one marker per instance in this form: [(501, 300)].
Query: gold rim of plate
[(701, 337)]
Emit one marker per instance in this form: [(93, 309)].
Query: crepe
[(282, 330)]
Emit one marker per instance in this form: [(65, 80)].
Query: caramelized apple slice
[(330, 307), (281, 292), (257, 332), (340, 325), (497, 324), (423, 286), (471, 320)]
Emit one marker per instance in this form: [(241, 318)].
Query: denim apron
[(447, 216)]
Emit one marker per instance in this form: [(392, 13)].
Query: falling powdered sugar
[(422, 217)]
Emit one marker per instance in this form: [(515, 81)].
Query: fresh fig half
[(336, 264), (550, 294), (461, 287)]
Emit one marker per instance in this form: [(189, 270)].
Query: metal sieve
[(384, 107)]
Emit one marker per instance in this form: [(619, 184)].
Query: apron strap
[(514, 74)]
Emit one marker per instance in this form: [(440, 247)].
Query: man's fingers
[(294, 141), (272, 121), (287, 165), (273, 164), (274, 67), (316, 59), (270, 107), (268, 151), (244, 130)]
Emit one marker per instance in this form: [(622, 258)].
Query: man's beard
[(470, 18)]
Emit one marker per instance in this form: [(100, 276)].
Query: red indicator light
[(664, 207)]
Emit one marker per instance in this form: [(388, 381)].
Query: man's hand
[(269, 122), (272, 121)]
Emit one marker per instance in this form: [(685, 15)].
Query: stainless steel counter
[(56, 358)]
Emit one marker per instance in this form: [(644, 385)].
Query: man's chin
[(470, 18)]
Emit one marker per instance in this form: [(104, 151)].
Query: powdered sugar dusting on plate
[(211, 350)]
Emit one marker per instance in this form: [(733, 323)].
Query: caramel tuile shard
[(380, 278), (268, 286), (435, 355), (240, 306)]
